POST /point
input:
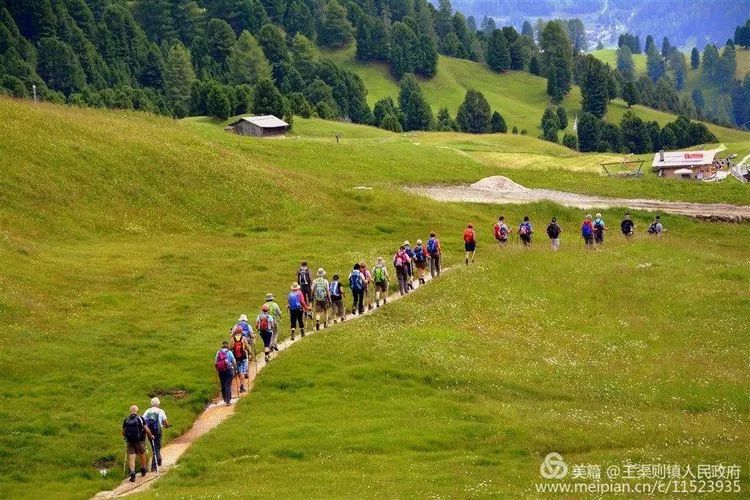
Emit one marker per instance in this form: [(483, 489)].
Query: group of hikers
[(324, 299), (592, 232)]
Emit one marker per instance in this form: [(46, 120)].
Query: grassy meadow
[(130, 244)]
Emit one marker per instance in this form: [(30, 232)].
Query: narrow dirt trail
[(501, 190), (217, 412)]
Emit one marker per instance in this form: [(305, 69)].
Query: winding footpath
[(217, 412)]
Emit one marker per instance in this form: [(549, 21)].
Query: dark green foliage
[(178, 79), (577, 34), (654, 64), (742, 35), (299, 19), (218, 103), (247, 61), (474, 113), (13, 86), (632, 42), (318, 92), (446, 123), (741, 102), (630, 93), (698, 100), (557, 53), (625, 63), (221, 40), (594, 90), (426, 62), (390, 122), (498, 53), (534, 66), (267, 100), (418, 113), (403, 49), (527, 30), (273, 42), (242, 15), (695, 58), (553, 88), (649, 44), (635, 134), (550, 125), (589, 132), (383, 108), (570, 141), (59, 66), (336, 29), (665, 47), (515, 129), (152, 73), (562, 117), (244, 99), (300, 106), (497, 124), (710, 61)]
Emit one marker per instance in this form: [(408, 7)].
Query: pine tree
[(59, 66), (403, 49), (390, 122), (336, 30), (267, 100), (698, 100), (695, 58), (383, 108), (273, 42), (654, 64), (649, 44), (562, 117), (407, 86), (247, 63), (217, 102), (557, 53), (221, 39), (299, 19), (474, 113), (527, 30), (710, 61), (178, 79), (445, 123), (630, 93), (589, 132), (497, 124), (304, 55), (427, 57), (553, 89), (665, 47), (152, 73), (550, 125), (534, 67), (625, 63), (418, 113), (498, 53)]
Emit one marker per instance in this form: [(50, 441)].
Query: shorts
[(599, 237), (242, 365), (502, 241), (338, 308), (589, 240), (470, 246), (138, 448), (266, 336), (421, 264), (526, 239), (321, 307), (381, 287), (296, 316)]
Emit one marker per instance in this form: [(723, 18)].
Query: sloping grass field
[(130, 244)]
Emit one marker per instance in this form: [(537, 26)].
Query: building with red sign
[(684, 164)]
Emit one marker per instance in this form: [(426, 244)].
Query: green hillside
[(519, 96), (132, 242), (609, 56)]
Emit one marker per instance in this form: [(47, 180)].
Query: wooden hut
[(259, 126)]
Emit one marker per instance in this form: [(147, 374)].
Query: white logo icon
[(553, 467)]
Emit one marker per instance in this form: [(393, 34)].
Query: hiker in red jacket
[(470, 243)]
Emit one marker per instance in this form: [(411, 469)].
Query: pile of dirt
[(499, 183)]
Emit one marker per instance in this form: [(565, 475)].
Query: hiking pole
[(154, 464), (125, 464), (255, 356)]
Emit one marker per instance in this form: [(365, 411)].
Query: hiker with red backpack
[(297, 305), (321, 297), (135, 431), (587, 231), (304, 278), (400, 261), (501, 231), (380, 277), (420, 260), (470, 243), (436, 254), (525, 230), (264, 325), (225, 365), (357, 286), (241, 352), (409, 265)]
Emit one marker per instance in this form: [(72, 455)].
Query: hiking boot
[(467, 262), (292, 335), (247, 376), (303, 333), (242, 388), (275, 348), (143, 471), (158, 461), (132, 477), (343, 319), (153, 468), (385, 301), (317, 325), (268, 358)]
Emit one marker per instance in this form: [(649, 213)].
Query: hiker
[(336, 293), (247, 330), (156, 421), (241, 353), (627, 226), (357, 286), (470, 243), (409, 264), (135, 431), (436, 253), (322, 298), (275, 311), (420, 261), (599, 228), (380, 277), (525, 230), (264, 324), (297, 305), (304, 279), (587, 231), (553, 231), (501, 231), (225, 365), (367, 277), (400, 260), (656, 228)]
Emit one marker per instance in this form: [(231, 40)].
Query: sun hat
[(243, 317), (264, 308), (295, 286), (598, 215), (588, 216), (269, 296), (321, 271), (362, 264), (406, 242), (380, 260), (419, 242)]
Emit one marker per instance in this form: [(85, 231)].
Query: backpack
[(553, 231), (379, 274), (335, 289), (355, 281), (399, 260), (265, 323), (587, 229), (294, 301), (599, 225), (152, 421), (468, 236), (497, 230), (133, 428), (652, 228), (302, 276), (524, 229), (222, 362), (432, 246), (419, 254), (319, 290), (237, 348)]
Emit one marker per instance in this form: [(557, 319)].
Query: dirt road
[(499, 189)]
